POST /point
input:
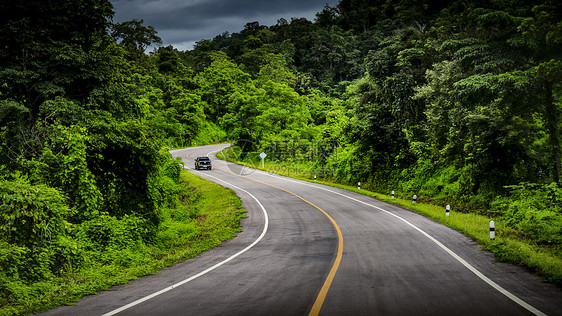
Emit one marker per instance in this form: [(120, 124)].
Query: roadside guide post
[(492, 230), (392, 194), (262, 156), (447, 209)]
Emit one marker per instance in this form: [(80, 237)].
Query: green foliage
[(218, 82), (31, 215), (133, 35), (14, 123), (55, 53), (210, 133), (82, 258), (534, 210), (111, 239), (67, 169), (33, 226), (163, 186)]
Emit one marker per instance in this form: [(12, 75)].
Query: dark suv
[(203, 163)]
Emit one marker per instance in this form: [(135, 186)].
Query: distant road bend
[(309, 249)]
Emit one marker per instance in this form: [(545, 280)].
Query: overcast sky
[(181, 23)]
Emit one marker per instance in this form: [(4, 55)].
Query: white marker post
[(414, 199), (314, 177), (358, 185), (447, 209), (392, 195), (262, 156), (492, 230)]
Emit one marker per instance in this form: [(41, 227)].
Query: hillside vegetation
[(456, 101)]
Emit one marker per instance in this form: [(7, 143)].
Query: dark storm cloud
[(181, 23)]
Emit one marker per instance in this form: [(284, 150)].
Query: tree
[(218, 82), (545, 28), (489, 106), (133, 35), (49, 49)]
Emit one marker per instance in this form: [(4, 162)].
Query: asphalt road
[(307, 249)]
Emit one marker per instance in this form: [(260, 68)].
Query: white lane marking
[(479, 274), (146, 298), (449, 251)]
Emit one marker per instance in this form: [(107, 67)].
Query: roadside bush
[(535, 210), (107, 234), (177, 228), (172, 169), (11, 257), (209, 134), (63, 164), (163, 185), (32, 220), (31, 215)]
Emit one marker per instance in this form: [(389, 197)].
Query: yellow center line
[(324, 290)]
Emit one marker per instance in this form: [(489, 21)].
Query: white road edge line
[(146, 298), (449, 251)]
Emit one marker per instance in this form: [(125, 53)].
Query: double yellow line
[(324, 290), (315, 310)]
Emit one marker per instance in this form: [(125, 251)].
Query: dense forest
[(457, 101)]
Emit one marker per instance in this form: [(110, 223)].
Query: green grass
[(508, 246), (214, 213)]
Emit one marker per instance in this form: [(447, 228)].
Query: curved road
[(308, 249)]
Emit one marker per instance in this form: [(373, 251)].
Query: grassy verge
[(508, 246), (206, 215)]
